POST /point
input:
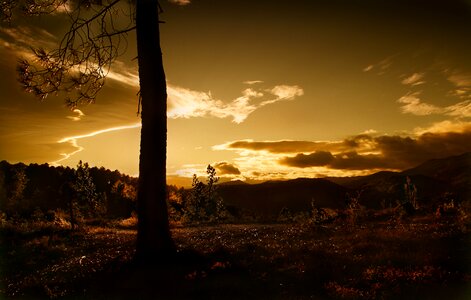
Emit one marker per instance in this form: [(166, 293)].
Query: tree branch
[(116, 32)]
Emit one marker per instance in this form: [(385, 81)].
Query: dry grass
[(421, 257)]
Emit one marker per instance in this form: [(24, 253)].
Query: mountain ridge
[(433, 179)]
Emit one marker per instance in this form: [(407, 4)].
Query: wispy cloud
[(283, 146), (19, 40), (27, 37), (285, 92), (413, 105), (180, 2), (381, 66), (250, 82), (73, 140), (460, 79), (123, 74), (186, 103), (414, 79), (78, 116), (462, 109), (461, 82), (444, 127), (368, 68)]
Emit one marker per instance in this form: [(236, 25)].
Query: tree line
[(88, 192), (26, 188)]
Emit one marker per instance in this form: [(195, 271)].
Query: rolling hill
[(432, 179), (267, 199)]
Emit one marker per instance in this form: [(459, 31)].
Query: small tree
[(409, 203), (84, 200), (175, 202), (204, 203), (85, 188), (318, 214), (19, 181), (354, 209), (194, 207), (211, 195), (285, 215)]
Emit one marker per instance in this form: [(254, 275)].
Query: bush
[(409, 203), (204, 204), (354, 210)]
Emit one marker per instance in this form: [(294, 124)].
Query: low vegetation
[(424, 256), (410, 250)]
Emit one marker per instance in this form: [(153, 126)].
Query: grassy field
[(421, 257)]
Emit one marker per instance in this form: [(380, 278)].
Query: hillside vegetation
[(71, 233)]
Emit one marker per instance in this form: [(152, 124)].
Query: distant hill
[(433, 179), (233, 182), (45, 187), (385, 190), (455, 170), (267, 199)]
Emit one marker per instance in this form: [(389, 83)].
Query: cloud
[(362, 142), (460, 79), (251, 82), (182, 102), (414, 79), (287, 92), (462, 109), (315, 159), (461, 93), (413, 105), (19, 40), (345, 161), (186, 103), (180, 2), (392, 152), (27, 37), (462, 82), (77, 117), (370, 131), (284, 146), (445, 127), (410, 151), (225, 168), (362, 153), (381, 66), (120, 73), (76, 148)]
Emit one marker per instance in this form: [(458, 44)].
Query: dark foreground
[(418, 258)]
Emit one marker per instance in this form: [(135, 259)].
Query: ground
[(420, 257)]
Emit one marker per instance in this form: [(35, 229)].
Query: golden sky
[(264, 90)]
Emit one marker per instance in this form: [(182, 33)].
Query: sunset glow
[(309, 89)]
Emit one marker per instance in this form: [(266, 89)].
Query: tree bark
[(154, 241)]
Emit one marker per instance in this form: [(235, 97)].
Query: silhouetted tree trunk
[(153, 239)]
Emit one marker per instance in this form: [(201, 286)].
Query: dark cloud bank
[(225, 168), (364, 152)]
